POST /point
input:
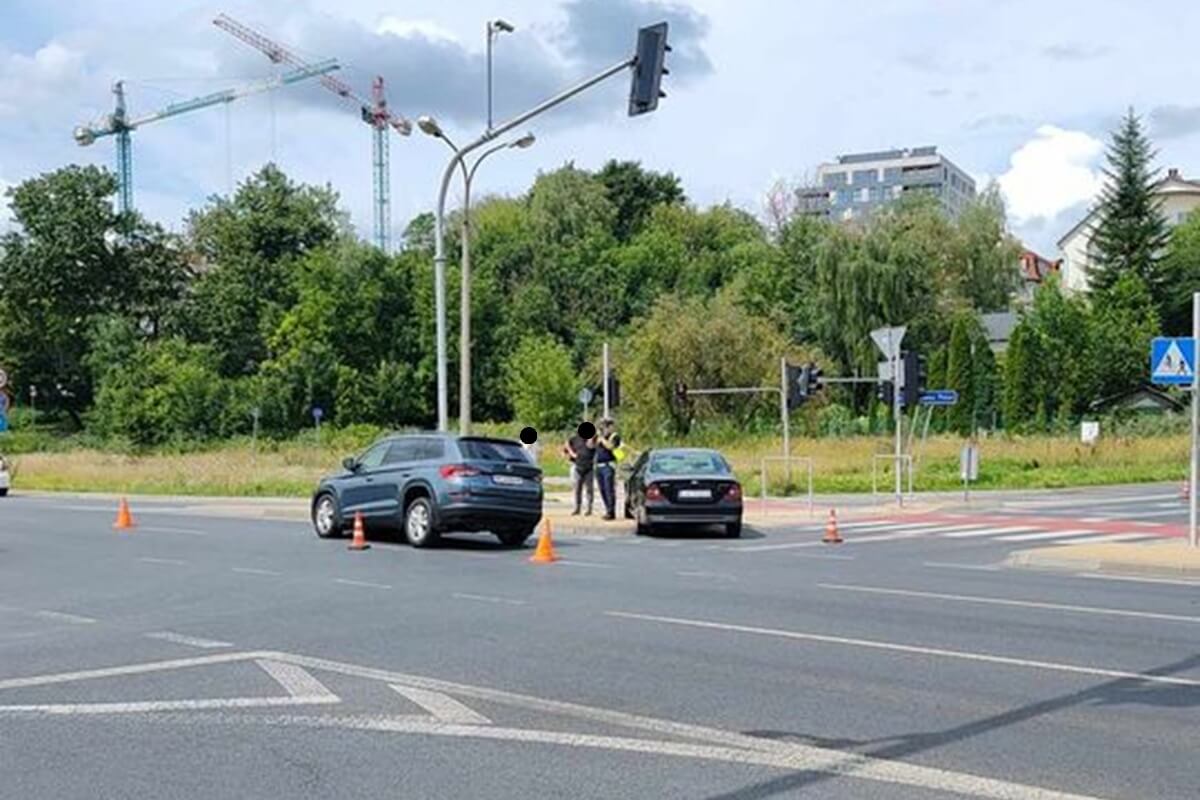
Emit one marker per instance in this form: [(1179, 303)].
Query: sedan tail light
[(653, 492), (734, 492), (457, 471)]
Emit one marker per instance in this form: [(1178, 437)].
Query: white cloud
[(414, 27), (1054, 171)]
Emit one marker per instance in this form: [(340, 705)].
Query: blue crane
[(120, 125)]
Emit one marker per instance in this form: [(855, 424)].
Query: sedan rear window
[(492, 450), (688, 464)]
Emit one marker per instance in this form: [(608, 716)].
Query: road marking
[(570, 562), (718, 744), (295, 680), (366, 584), (948, 565), (188, 531), (191, 641), (989, 531), (1178, 512), (720, 576), (1137, 579), (1089, 502), (1000, 601), (1124, 537), (823, 556), (173, 561), (485, 598), (64, 617), (1034, 537), (254, 571), (875, 644), (443, 707)]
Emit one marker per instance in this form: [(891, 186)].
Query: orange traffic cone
[(124, 518), (831, 532), (545, 546), (359, 542)]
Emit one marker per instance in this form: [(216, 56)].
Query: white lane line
[(823, 556), (295, 680), (875, 644), (191, 641), (1125, 537), (718, 576), (1178, 512), (1137, 579), (62, 616), (188, 531), (486, 598), (173, 561), (165, 705), (443, 707), (366, 584), (1089, 502), (570, 562), (989, 531), (1036, 537), (1001, 601), (254, 571), (948, 565)]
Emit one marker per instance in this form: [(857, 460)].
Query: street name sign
[(939, 397)]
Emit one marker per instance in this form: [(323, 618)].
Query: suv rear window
[(492, 450)]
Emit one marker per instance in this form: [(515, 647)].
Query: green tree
[(1124, 321), (960, 373), (1131, 231), (1181, 264), (634, 191), (1022, 378), (987, 272), (542, 384)]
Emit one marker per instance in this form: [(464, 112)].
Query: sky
[(760, 91)]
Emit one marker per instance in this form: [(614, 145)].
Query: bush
[(541, 383)]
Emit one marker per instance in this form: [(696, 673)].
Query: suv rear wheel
[(515, 537), (418, 523)]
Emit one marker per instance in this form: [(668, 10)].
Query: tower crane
[(374, 112), (119, 124)]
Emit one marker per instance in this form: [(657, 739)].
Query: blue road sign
[(1173, 360), (939, 397), (318, 412)]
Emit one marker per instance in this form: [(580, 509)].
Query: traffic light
[(614, 391), (649, 65), (914, 378), (883, 391), (680, 394), (814, 378), (797, 385)]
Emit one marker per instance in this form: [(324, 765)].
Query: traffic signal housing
[(614, 391), (649, 66), (680, 394), (914, 378), (884, 391), (802, 383)]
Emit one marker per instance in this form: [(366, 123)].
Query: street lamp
[(493, 27), (430, 126)]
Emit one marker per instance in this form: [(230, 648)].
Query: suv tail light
[(457, 471), (653, 492), (734, 492)]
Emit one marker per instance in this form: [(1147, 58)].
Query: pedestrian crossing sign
[(1173, 360)]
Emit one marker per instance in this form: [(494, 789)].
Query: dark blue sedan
[(683, 487), (430, 483)]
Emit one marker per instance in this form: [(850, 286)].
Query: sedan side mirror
[(350, 463)]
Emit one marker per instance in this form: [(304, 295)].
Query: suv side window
[(429, 449), (403, 451), (374, 456)]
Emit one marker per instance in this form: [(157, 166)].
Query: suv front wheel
[(326, 519), (418, 523)]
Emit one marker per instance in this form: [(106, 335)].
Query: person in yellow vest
[(608, 452)]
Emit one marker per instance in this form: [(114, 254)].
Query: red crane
[(374, 112)]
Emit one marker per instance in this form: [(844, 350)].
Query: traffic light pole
[(1192, 478), (897, 387), (783, 413)]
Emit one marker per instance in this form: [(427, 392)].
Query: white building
[(1177, 196)]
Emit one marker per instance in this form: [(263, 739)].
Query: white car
[(5, 480)]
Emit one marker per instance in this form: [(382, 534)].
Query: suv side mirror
[(350, 463)]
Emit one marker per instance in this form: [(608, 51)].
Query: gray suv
[(430, 483)]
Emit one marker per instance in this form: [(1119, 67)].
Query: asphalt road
[(201, 657)]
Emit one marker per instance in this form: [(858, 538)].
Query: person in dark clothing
[(606, 466), (582, 450)]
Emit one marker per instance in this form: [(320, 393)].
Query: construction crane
[(374, 112), (120, 125)]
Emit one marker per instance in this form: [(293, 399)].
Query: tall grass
[(292, 468)]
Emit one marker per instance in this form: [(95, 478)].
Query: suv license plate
[(695, 494), (508, 480)]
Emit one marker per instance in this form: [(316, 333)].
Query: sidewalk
[(1173, 558)]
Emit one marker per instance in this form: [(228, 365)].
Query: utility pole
[(783, 413), (897, 382), (1192, 479), (605, 379)]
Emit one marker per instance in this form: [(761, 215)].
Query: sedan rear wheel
[(733, 530), (418, 523)]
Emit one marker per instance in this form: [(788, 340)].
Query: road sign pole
[(606, 398), (896, 389), (783, 413), (1192, 479)]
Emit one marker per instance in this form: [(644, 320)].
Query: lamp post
[(493, 27), (430, 126)]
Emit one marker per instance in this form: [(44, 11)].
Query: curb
[(1033, 559)]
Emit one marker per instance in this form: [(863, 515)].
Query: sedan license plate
[(508, 480), (695, 494)]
